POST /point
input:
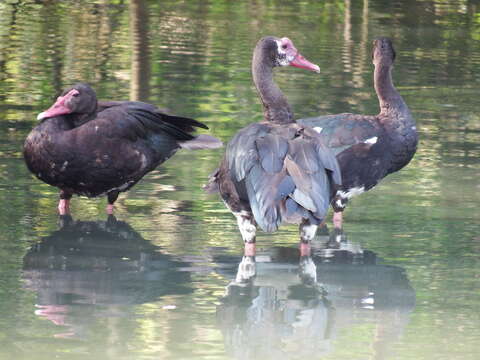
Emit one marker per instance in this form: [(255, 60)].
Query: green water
[(158, 282)]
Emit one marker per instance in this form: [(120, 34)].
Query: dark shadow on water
[(90, 269), (288, 303)]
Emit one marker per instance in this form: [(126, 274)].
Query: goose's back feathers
[(283, 172)]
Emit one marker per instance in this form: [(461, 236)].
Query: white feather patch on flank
[(318, 129), (246, 226), (351, 192), (307, 232), (372, 140), (118, 188)]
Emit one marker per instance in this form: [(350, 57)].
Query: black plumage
[(93, 149), (367, 147)]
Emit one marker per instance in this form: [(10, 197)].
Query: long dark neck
[(275, 105), (389, 98), (396, 118)]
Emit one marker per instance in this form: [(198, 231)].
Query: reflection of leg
[(246, 269), (337, 237), (111, 221), (247, 226), (248, 229), (112, 197), (65, 221), (64, 203), (337, 219), (307, 268), (307, 231)]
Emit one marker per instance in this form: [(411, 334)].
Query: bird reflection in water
[(87, 270), (288, 303)]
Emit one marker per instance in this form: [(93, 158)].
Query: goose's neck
[(66, 122), (389, 98), (57, 124), (395, 114), (275, 105)]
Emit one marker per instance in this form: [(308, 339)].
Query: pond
[(158, 279)]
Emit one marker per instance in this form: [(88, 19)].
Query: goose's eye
[(76, 94), (284, 46)]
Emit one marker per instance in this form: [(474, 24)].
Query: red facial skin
[(60, 107), (298, 60)]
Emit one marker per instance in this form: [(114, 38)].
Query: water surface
[(159, 280)]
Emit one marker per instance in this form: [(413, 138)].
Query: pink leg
[(64, 206), (112, 197), (250, 249), (305, 248), (109, 209), (337, 219)]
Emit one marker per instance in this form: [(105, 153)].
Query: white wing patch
[(318, 129), (64, 166), (372, 140)]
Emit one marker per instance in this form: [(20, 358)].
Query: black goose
[(91, 148), (368, 147), (277, 170)]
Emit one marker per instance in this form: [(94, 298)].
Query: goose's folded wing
[(133, 120), (341, 131)]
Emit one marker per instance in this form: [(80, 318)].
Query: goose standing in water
[(277, 170), (367, 147), (91, 148)]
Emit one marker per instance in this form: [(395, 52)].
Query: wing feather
[(271, 151), (133, 120)]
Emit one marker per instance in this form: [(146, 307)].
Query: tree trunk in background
[(140, 69)]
